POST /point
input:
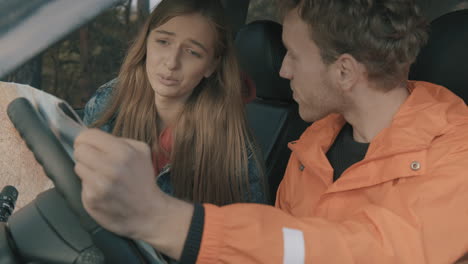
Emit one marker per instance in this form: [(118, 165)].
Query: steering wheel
[(55, 227)]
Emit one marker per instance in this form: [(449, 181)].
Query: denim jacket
[(97, 104)]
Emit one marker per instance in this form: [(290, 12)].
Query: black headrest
[(261, 52), (444, 60)]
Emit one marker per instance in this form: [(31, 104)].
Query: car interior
[(273, 115), (69, 235), (444, 60)]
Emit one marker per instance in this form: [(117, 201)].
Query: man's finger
[(100, 140), (138, 145), (109, 144), (83, 171), (90, 179), (93, 158)]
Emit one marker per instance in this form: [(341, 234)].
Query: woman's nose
[(172, 59)]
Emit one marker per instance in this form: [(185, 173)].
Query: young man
[(380, 177)]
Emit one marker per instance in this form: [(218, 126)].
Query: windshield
[(27, 27)]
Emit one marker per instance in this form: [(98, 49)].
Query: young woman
[(179, 90)]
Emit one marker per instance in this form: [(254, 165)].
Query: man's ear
[(212, 68), (348, 71)]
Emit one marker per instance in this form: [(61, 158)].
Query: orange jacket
[(406, 202)]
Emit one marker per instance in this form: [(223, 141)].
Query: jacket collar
[(426, 114)]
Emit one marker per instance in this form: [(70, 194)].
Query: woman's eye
[(162, 42), (194, 53)]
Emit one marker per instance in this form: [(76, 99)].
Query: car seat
[(444, 60), (273, 114)]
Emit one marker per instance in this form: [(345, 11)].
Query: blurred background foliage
[(262, 10), (76, 66)]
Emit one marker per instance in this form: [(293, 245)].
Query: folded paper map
[(18, 167)]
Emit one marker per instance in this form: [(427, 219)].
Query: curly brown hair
[(384, 35)]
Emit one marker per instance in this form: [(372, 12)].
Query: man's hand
[(120, 192)]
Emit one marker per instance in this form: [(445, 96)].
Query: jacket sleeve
[(257, 188), (434, 229), (98, 103)]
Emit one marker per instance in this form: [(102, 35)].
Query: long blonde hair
[(211, 139)]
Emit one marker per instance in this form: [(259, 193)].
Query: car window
[(266, 9), (76, 66), (89, 57), (262, 10)]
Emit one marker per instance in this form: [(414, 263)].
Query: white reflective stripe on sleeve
[(294, 247)]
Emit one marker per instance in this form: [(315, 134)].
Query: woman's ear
[(212, 68)]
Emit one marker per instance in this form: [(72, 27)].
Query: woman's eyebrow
[(198, 44), (169, 33), (166, 32)]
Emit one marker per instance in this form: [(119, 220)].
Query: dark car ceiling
[(27, 27)]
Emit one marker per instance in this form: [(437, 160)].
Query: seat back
[(273, 115), (444, 60)]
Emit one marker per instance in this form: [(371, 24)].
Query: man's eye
[(290, 55)]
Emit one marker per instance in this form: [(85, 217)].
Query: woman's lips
[(168, 81)]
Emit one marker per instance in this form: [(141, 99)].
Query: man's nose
[(285, 71)]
